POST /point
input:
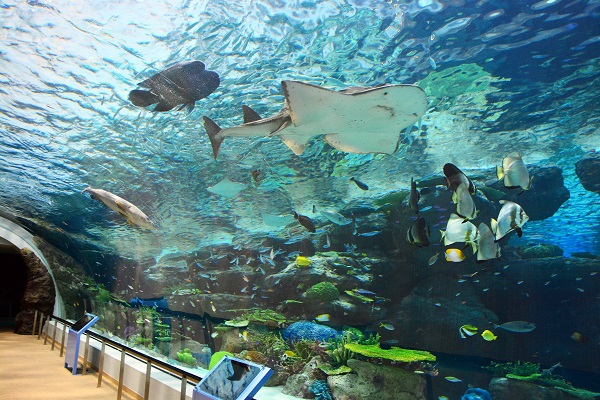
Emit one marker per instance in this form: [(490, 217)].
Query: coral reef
[(370, 381), (539, 251), (322, 292), (216, 357), (321, 390), (308, 331), (185, 356), (394, 354)]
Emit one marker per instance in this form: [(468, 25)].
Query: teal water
[(499, 76)]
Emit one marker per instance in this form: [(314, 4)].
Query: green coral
[(216, 357), (555, 382), (265, 316), (513, 368), (185, 356), (322, 292), (394, 354)]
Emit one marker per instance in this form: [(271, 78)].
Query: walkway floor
[(30, 370)]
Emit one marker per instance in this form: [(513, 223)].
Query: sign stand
[(232, 379), (74, 339)]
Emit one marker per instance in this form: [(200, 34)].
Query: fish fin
[(142, 98), (190, 106), (499, 172), (212, 129), (474, 247), (494, 225), (163, 106), (250, 115), (121, 206), (455, 198), (297, 143), (519, 231)]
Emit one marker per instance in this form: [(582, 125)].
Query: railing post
[(101, 365), (147, 383), (54, 334), (183, 386), (40, 326), (62, 340), (121, 373), (34, 322), (85, 353), (46, 327)]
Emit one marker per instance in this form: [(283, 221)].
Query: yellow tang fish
[(455, 255), (488, 335), (322, 318), (302, 261)]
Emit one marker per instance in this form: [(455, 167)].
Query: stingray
[(180, 85), (227, 188), (354, 120)]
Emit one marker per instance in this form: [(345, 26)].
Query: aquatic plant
[(216, 357), (103, 296), (513, 368), (185, 356), (265, 342), (338, 352), (264, 316), (530, 372), (555, 382), (394, 354), (476, 394), (322, 292), (162, 332), (321, 390), (254, 356)]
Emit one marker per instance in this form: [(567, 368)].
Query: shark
[(354, 120)]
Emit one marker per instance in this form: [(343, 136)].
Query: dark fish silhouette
[(455, 177), (239, 370), (360, 184), (418, 233), (414, 196), (305, 222), (180, 85)]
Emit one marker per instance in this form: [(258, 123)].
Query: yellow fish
[(322, 318), (302, 261), (454, 255), (290, 353), (488, 335)]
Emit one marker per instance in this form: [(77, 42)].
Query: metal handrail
[(185, 376)]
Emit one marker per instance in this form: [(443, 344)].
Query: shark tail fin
[(212, 129), (250, 115)]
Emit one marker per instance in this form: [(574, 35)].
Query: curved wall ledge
[(20, 238)]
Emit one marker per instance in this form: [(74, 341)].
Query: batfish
[(355, 120), (180, 85), (131, 213)]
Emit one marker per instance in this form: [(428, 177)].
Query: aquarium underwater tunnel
[(373, 198)]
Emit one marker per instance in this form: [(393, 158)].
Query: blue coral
[(321, 390), (305, 330), (476, 394)]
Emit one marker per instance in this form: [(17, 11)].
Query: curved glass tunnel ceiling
[(499, 78)]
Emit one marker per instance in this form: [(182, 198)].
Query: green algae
[(216, 357), (322, 292), (397, 354)]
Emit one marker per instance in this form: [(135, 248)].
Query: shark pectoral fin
[(212, 129), (297, 143), (250, 115)]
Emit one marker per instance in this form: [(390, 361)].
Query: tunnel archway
[(12, 284), (20, 241)]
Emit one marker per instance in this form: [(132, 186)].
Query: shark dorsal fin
[(250, 115)]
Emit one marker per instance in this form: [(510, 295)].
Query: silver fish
[(488, 248), (516, 326), (465, 206), (514, 172), (511, 217), (459, 231)]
